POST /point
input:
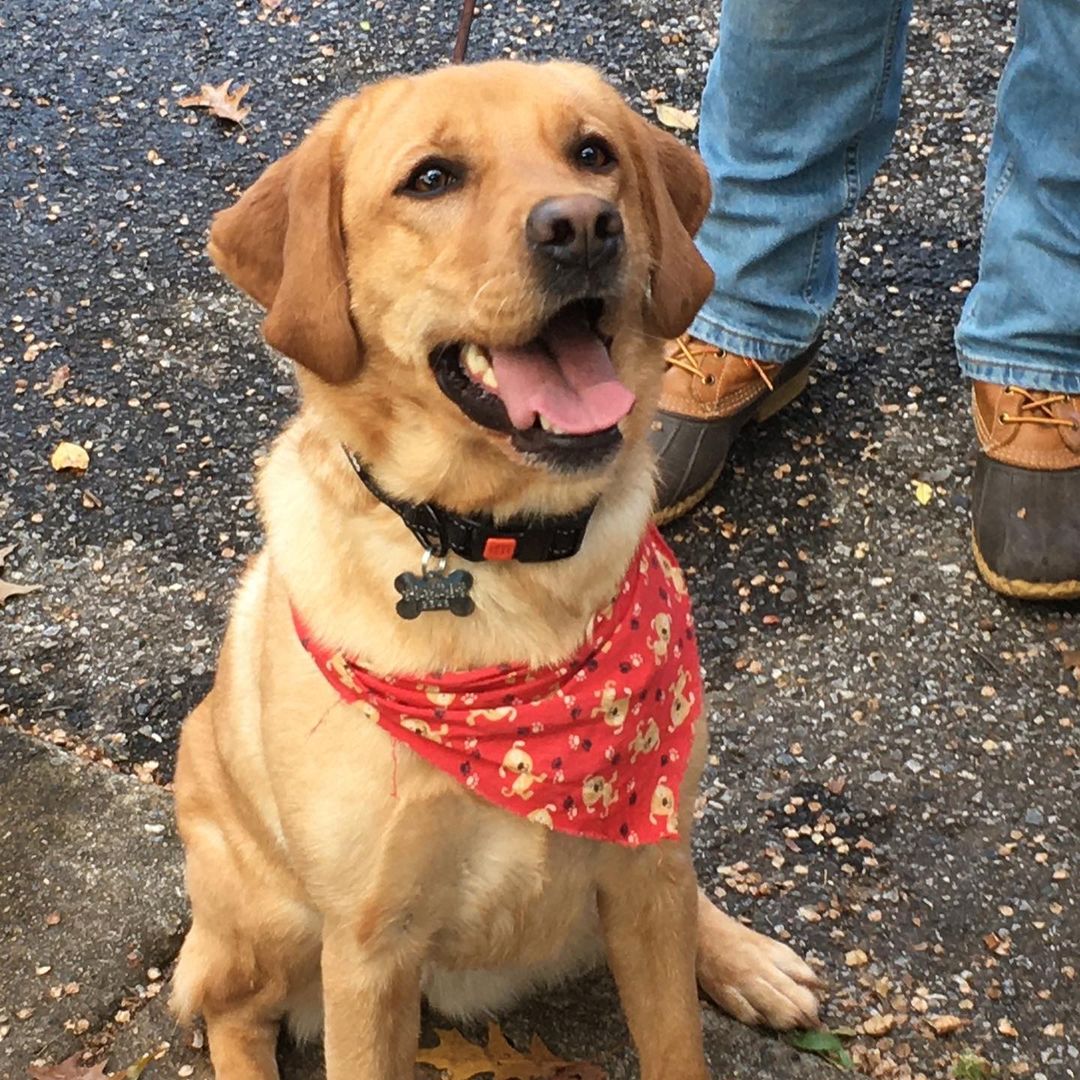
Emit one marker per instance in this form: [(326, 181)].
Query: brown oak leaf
[(58, 380), (9, 588), (69, 1069), (219, 100), (460, 1059)]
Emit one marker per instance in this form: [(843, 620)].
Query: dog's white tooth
[(556, 430), (488, 377), (545, 423), (475, 360)]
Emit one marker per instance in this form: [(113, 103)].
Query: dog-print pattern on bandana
[(596, 747)]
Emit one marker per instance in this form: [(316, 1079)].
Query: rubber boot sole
[(1023, 590)]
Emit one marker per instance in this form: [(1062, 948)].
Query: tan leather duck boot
[(708, 397), (1025, 506)]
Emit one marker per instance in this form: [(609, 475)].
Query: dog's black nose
[(575, 230)]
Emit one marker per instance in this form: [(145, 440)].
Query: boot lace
[(689, 352), (1037, 408)]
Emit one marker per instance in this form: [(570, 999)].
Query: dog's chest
[(521, 897)]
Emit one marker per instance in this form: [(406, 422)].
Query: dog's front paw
[(754, 978)]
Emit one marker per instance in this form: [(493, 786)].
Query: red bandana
[(596, 747)]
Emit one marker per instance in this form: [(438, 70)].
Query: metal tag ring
[(425, 562)]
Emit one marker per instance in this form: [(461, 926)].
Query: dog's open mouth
[(557, 397)]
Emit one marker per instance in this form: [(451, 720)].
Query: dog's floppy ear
[(675, 192), (282, 243)]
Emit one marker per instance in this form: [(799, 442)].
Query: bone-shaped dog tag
[(434, 591)]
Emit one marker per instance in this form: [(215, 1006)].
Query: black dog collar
[(478, 538)]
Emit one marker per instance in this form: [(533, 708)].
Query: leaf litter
[(71, 1069), (460, 1059), (9, 589), (220, 100), (58, 380), (455, 1056), (679, 119)]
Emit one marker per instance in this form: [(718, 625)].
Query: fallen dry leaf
[(69, 1069), (58, 380), (9, 588), (134, 1070), (878, 1025), (69, 456), (460, 1059), (923, 493), (35, 349), (219, 100), (856, 958), (679, 119), (946, 1025)]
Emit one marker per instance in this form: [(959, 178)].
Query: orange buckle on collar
[(499, 548)]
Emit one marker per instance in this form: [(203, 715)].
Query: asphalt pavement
[(893, 781)]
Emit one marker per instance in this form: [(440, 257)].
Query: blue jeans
[(798, 114)]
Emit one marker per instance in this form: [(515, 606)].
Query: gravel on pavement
[(893, 780)]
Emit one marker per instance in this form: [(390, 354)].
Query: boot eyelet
[(1004, 418), (709, 380)]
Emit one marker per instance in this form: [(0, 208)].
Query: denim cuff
[(748, 343), (1017, 373)]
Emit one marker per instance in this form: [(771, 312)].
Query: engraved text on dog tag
[(434, 591)]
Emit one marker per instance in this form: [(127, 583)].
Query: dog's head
[(478, 266)]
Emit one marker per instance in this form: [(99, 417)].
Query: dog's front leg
[(371, 992), (648, 909)]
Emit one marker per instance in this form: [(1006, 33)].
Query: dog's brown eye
[(431, 178), (594, 154)]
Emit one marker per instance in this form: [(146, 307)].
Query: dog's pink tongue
[(567, 377)]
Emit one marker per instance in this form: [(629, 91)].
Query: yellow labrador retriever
[(475, 271)]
